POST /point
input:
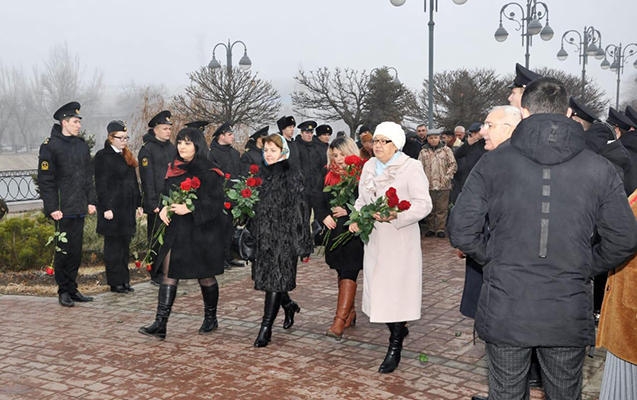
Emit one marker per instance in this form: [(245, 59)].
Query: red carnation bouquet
[(184, 194), (243, 195), (384, 206), (342, 187)]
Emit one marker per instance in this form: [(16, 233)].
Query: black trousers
[(67, 262), (116, 253), (153, 223)]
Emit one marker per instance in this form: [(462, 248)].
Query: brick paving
[(93, 350)]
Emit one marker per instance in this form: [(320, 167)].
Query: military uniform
[(66, 184), (153, 159), (253, 154)]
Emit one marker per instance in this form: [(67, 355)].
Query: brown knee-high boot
[(346, 296)]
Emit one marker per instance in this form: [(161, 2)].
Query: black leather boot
[(210, 296), (270, 310), (398, 331), (165, 299), (290, 307)]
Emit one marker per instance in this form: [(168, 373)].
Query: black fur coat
[(282, 231)]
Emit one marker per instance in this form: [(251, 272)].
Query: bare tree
[(463, 96), (332, 95), (141, 104), (240, 97), (61, 81)]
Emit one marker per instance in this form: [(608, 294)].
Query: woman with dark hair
[(118, 198), (193, 240), (346, 259), (282, 232)]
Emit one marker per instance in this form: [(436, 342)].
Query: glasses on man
[(381, 141), (122, 138)]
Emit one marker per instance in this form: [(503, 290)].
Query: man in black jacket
[(66, 188), (154, 156), (543, 195), (286, 126), (228, 159)]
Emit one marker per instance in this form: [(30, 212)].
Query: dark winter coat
[(196, 239), (413, 145), (117, 190), (629, 140), (545, 195), (313, 161), (226, 157), (65, 178), (601, 140), (281, 229), (293, 158), (347, 257), (466, 157), (154, 157), (252, 155)]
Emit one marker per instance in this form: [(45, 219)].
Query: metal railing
[(18, 185)]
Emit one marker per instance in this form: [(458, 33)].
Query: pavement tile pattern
[(93, 350)]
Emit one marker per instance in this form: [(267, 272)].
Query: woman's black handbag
[(244, 244)]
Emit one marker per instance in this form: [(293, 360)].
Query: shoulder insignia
[(46, 141), (218, 171), (44, 166), (145, 162)]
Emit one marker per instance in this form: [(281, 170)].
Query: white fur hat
[(391, 131)]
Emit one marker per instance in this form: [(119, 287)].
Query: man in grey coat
[(544, 195)]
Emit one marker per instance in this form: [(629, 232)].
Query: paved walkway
[(93, 351)]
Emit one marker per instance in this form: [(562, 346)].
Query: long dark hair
[(197, 138)]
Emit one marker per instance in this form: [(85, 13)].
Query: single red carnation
[(252, 182), (404, 205), (195, 182), (227, 205), (246, 193), (49, 270), (254, 169), (138, 264), (259, 181), (149, 267), (186, 185), (227, 176)]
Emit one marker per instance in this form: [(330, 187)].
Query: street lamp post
[(394, 79), (244, 62), (433, 6), (528, 21), (619, 55), (588, 43)]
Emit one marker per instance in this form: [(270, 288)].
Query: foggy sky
[(161, 41)]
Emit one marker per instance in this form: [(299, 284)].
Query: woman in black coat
[(346, 259), (282, 233), (193, 240), (118, 198)]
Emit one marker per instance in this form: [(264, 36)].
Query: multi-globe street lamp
[(394, 78), (620, 56), (244, 62), (588, 44), (433, 6), (528, 21)]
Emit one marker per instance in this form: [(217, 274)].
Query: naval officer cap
[(224, 128), (523, 77), (323, 130), (580, 110), (201, 125), (162, 118), (631, 114), (68, 110), (618, 119), (116, 126), (260, 133), (307, 126)]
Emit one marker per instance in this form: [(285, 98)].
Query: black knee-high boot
[(398, 331), (210, 296), (290, 307), (270, 310), (165, 299)]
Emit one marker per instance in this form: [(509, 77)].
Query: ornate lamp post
[(619, 55), (244, 62), (528, 21), (394, 79), (433, 6), (588, 43)]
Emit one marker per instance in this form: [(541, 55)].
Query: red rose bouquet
[(184, 194), (383, 206), (55, 240), (242, 194), (342, 186)]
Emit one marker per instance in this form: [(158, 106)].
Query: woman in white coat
[(392, 264)]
